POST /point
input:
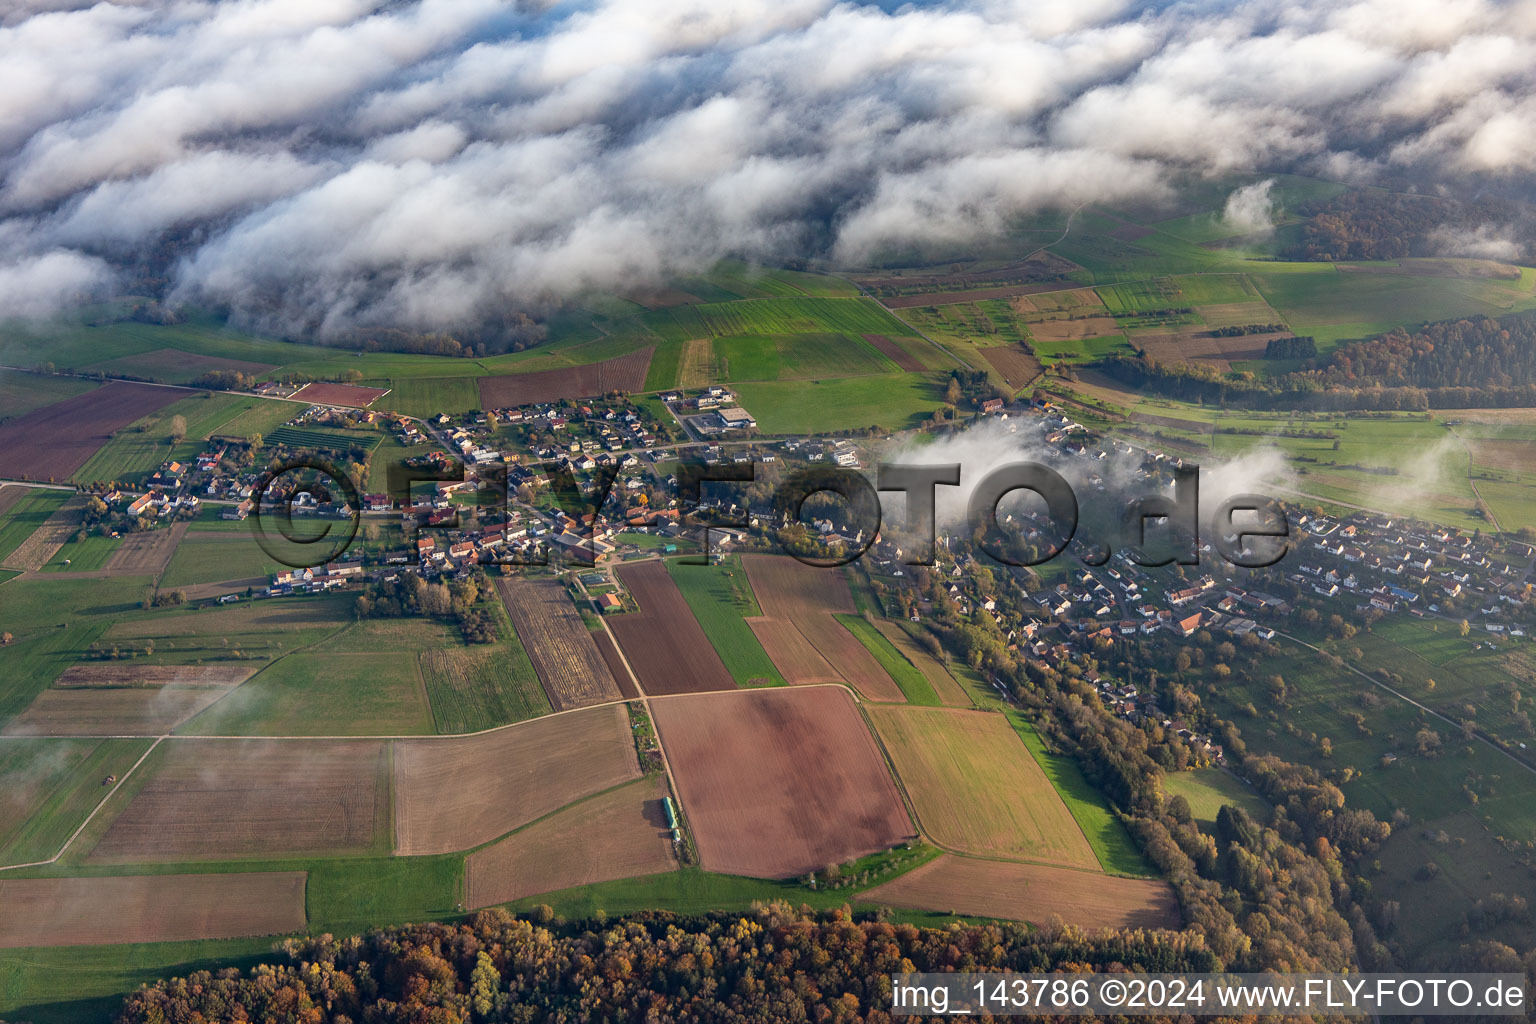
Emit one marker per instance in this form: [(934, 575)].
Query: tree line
[(772, 963)]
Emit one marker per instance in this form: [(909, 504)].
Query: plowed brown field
[(663, 641), (348, 396), (1030, 892), (54, 441), (452, 794), (808, 597), (557, 641), (620, 834), (622, 373), (208, 799), (776, 783), (149, 908)]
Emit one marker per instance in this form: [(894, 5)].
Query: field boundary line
[(901, 784), (89, 817), (431, 737)]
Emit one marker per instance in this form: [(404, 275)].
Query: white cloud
[(326, 162), (1251, 209)]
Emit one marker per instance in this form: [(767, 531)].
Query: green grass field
[(261, 417), (83, 555), (331, 690), (892, 402), (50, 786), (20, 393), (798, 316), (1207, 789), (914, 685), (1086, 350), (428, 396), (134, 452), (797, 357), (1111, 843), (1380, 746), (211, 556), (721, 597), (24, 517), (481, 686)]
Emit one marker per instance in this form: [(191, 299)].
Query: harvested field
[(557, 641), (808, 597), (950, 692), (56, 440), (976, 788), (1238, 314), (348, 396), (1128, 232), (779, 782), (149, 908), (1054, 302), (480, 686), (615, 663), (619, 834), (1041, 265), (453, 794), (174, 365), (95, 675), (792, 654), (1172, 422), (661, 298), (1516, 456), (275, 617), (663, 642), (144, 554), (1030, 892), (1196, 345), (621, 373), (973, 295), (1074, 329), (217, 799), (898, 355), (10, 494), (698, 366), (34, 552), (209, 591), (1017, 366), (129, 709)]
